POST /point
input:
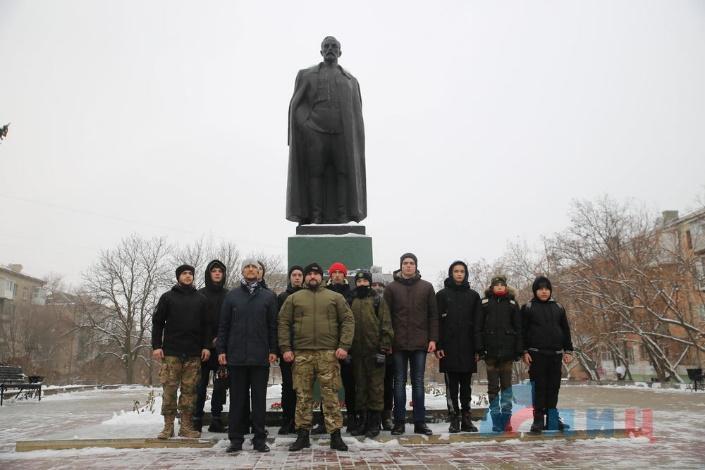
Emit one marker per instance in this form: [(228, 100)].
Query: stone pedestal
[(326, 244)]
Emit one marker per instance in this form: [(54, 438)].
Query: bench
[(12, 378)]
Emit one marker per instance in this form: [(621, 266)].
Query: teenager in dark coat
[(547, 342), (214, 291), (500, 343), (458, 309), (296, 280)]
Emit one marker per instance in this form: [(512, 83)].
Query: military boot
[(336, 441), (360, 423), (387, 422), (302, 441), (186, 427), (374, 420), (217, 425), (507, 422), (466, 423), (454, 423), (353, 422), (168, 430), (197, 423)]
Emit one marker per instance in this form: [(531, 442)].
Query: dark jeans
[(247, 382), (220, 388), (499, 384), (416, 360), (545, 375), (288, 393), (348, 379), (389, 384), (455, 381)]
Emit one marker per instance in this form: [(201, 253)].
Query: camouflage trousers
[(369, 382), (309, 365), (175, 372)]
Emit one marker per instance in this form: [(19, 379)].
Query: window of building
[(688, 240), (700, 272)]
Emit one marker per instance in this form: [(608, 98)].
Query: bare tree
[(199, 253), (123, 287)]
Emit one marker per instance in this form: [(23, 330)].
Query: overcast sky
[(482, 119)]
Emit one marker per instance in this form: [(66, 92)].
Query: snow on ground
[(676, 442)]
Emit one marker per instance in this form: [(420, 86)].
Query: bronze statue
[(326, 183)]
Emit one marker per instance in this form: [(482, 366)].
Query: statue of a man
[(326, 183)]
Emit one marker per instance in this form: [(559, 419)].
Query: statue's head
[(330, 49)]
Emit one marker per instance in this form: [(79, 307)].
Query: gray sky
[(483, 119)]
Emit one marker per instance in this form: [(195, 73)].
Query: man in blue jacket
[(247, 344)]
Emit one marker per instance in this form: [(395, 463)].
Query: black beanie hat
[(409, 255), (182, 268), (539, 282), (313, 268), (498, 279), (364, 274), (295, 267)]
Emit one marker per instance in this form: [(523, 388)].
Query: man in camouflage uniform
[(371, 345), (322, 327), (180, 339)]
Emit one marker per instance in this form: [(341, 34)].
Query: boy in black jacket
[(547, 342), (500, 344)]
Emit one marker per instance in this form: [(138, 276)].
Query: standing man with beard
[(458, 307), (214, 291), (181, 338), (322, 327), (412, 302), (296, 280), (247, 344)]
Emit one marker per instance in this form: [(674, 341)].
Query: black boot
[(197, 423), (466, 423), (421, 428), (387, 422), (374, 420), (497, 422), (507, 422), (538, 425), (287, 427), (336, 441), (217, 425), (398, 428), (353, 423), (235, 446), (359, 428), (260, 446), (454, 423), (319, 428), (302, 441)]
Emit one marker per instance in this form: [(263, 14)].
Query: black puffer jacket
[(215, 294), (458, 308), (545, 326), (342, 289), (499, 327), (248, 327), (180, 323)]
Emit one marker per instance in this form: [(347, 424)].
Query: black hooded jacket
[(458, 309), (545, 327), (214, 293), (180, 323), (499, 327)]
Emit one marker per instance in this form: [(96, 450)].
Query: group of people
[(365, 339)]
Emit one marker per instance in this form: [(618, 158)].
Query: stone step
[(403, 440)]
